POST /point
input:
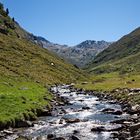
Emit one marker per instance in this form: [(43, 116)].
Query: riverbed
[(83, 117)]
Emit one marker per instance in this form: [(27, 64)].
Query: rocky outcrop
[(80, 54)]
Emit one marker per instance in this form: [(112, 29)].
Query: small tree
[(13, 19), (7, 11)]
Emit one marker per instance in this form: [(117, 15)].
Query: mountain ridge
[(117, 56), (78, 55)]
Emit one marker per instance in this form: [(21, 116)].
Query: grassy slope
[(117, 67), (25, 70), (20, 99), (21, 58), (110, 81), (126, 46)]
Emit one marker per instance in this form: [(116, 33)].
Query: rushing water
[(88, 118)]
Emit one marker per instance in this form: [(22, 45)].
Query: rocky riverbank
[(77, 114), (124, 97), (8, 129)]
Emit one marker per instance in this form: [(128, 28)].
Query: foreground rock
[(112, 111), (102, 128), (23, 123), (50, 136), (67, 120), (134, 127), (98, 129), (74, 138), (45, 112)]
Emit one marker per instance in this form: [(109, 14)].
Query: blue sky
[(72, 21)]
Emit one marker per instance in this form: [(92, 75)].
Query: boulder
[(75, 131), (61, 121), (112, 111), (74, 137), (45, 112), (115, 129), (85, 107), (50, 136), (135, 90), (24, 138), (136, 108), (58, 138), (123, 135), (8, 132), (72, 120), (118, 121), (117, 112), (98, 129), (108, 110), (137, 137), (102, 128), (23, 123), (134, 127), (2, 135)]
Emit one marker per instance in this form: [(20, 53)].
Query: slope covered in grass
[(20, 57), (20, 99), (122, 56), (118, 66), (26, 69)]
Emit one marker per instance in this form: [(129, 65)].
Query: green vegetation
[(117, 67), (110, 81), (20, 99), (121, 57), (26, 69), (25, 59), (125, 47)]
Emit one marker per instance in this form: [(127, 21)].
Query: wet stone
[(72, 120), (98, 129), (58, 138), (74, 137), (85, 107), (75, 131), (50, 136)]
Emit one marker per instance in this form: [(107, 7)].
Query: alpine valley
[(90, 91)]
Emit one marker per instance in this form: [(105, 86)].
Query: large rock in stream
[(23, 123), (134, 127), (112, 111), (74, 137), (102, 128), (71, 120)]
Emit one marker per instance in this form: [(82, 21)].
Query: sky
[(73, 21)]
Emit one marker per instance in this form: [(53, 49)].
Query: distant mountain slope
[(78, 55), (20, 55), (123, 55)]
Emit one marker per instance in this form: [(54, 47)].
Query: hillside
[(20, 57), (80, 54), (117, 67), (122, 56), (26, 71)]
